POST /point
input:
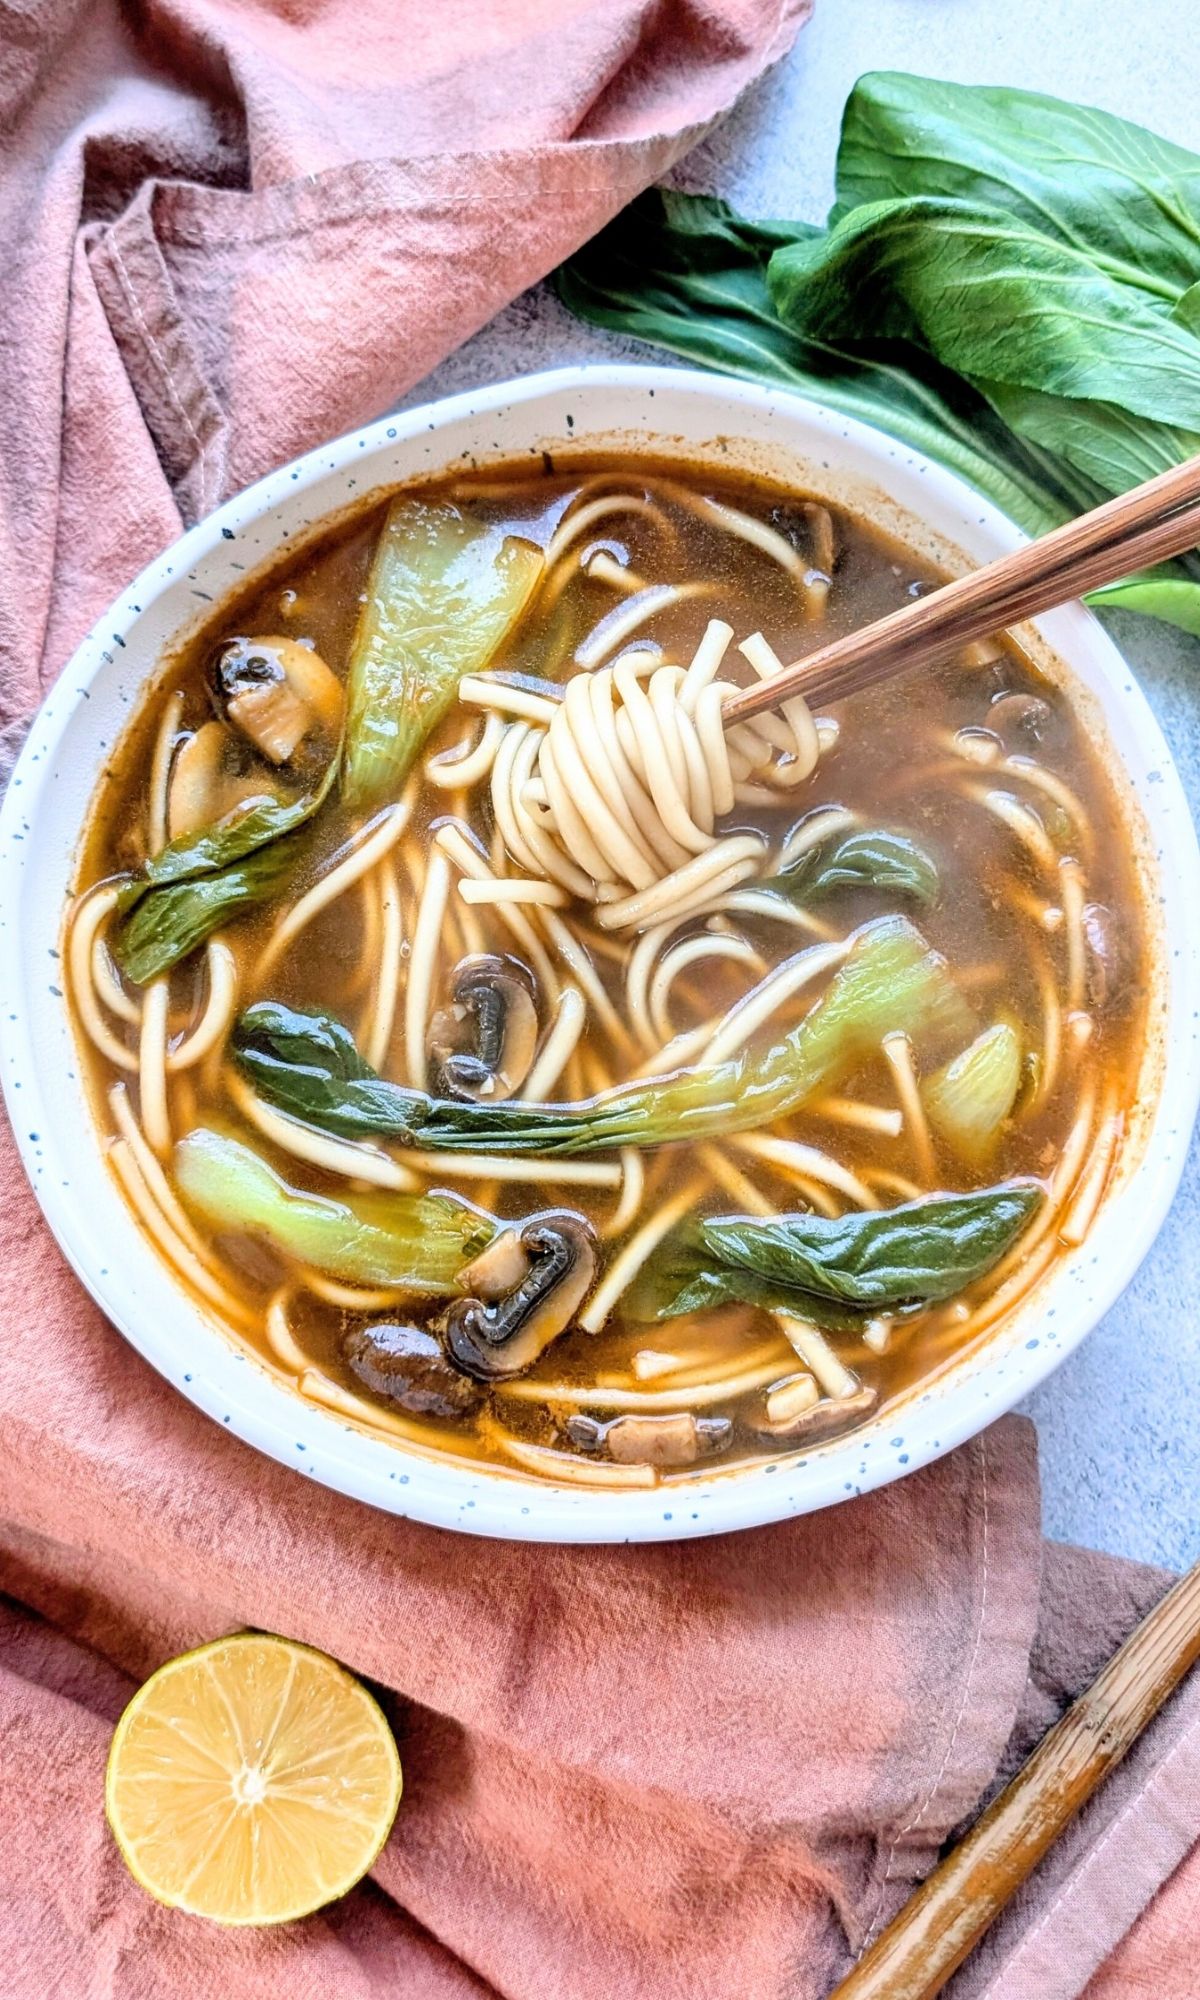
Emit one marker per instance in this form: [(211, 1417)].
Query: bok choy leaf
[(1077, 174), (1097, 374), (687, 273), (308, 1066), (1008, 282), (418, 1241), (204, 879), (442, 593), (170, 922), (820, 1268)]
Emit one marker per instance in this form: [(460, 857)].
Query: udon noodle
[(527, 1065)]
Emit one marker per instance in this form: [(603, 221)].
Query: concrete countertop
[(1120, 1421)]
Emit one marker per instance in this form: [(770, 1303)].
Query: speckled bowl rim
[(43, 814)]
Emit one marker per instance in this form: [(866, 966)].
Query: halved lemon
[(251, 1781)]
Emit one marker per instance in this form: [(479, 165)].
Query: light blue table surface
[(1120, 1421)]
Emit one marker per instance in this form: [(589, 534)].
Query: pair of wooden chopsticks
[(1154, 521), (941, 1923)]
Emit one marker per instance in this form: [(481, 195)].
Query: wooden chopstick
[(1158, 519), (915, 1956)]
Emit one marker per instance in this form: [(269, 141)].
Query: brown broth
[(893, 766)]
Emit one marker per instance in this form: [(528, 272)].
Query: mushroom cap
[(276, 690), (482, 1045), (408, 1366), (825, 1418), (1022, 719), (501, 1339)]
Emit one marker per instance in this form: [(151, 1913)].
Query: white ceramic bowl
[(648, 409)]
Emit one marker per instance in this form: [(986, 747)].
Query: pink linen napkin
[(227, 230), (654, 1772)]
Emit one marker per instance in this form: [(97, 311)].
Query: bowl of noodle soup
[(486, 1084)]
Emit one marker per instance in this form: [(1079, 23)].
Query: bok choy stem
[(419, 1242), (443, 591)]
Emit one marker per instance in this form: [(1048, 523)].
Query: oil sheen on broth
[(868, 987)]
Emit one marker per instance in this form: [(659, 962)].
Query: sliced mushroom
[(276, 691), (197, 777), (408, 1365), (492, 1341), (498, 1269), (314, 681), (679, 1439), (482, 1046), (824, 1419), (209, 779)]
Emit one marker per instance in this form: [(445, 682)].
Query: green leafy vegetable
[(968, 1101), (443, 592), (170, 922), (211, 848), (1155, 594), (867, 859), (308, 1065), (204, 879), (687, 273), (1009, 283), (684, 1277), (1078, 175), (868, 1262), (418, 1241), (1097, 374)]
